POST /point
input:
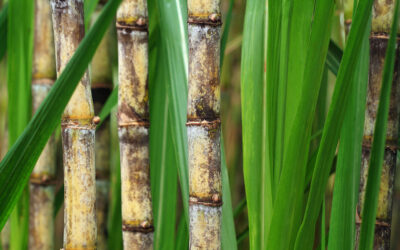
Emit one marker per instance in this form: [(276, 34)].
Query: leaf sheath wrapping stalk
[(378, 46), (133, 123), (203, 125), (41, 220), (78, 132)]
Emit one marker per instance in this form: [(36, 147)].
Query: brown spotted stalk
[(42, 180), (101, 78), (133, 124), (78, 133), (381, 24), (203, 124)]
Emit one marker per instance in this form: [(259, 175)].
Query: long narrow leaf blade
[(228, 234), (253, 122)]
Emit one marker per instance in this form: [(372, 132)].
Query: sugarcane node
[(381, 35), (206, 201), (204, 123), (140, 229), (145, 124), (43, 181), (128, 28), (211, 20), (96, 120)]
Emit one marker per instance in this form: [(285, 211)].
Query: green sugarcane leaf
[(111, 102), (289, 202), (346, 190), (3, 30), (257, 174), (162, 157), (19, 67), (225, 33), (88, 9), (114, 224), (182, 237), (333, 125), (17, 165), (228, 234), (378, 145)]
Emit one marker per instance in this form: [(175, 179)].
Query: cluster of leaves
[(285, 175)]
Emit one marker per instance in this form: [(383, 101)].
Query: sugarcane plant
[(101, 79), (42, 181), (133, 124), (203, 124), (78, 133)]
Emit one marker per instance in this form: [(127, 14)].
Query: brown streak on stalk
[(78, 133), (133, 122), (42, 180), (203, 124), (378, 45)]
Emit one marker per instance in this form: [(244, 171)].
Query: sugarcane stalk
[(101, 76), (381, 24), (203, 124), (41, 222), (78, 133), (133, 124)]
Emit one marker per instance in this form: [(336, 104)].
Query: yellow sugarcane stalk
[(133, 123), (381, 23), (41, 222), (203, 124), (78, 131), (101, 76)]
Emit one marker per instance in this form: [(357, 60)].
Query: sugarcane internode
[(203, 124), (381, 24), (133, 124), (78, 133), (42, 180)]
